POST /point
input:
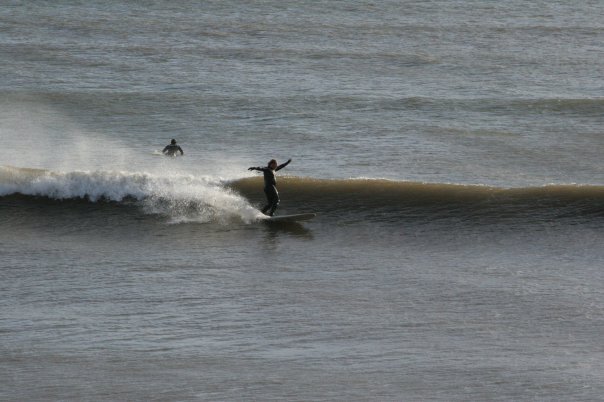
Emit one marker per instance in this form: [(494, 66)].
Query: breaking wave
[(190, 198), (181, 198)]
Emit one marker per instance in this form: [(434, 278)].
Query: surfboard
[(291, 218)]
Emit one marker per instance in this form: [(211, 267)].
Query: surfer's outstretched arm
[(283, 165), (181, 152), (260, 169)]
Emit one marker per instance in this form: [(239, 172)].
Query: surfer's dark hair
[(272, 161), (173, 141)]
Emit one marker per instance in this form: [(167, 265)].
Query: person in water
[(172, 149), (270, 185)]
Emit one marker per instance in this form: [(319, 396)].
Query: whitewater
[(182, 198)]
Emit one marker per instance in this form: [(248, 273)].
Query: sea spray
[(189, 198), (36, 134)]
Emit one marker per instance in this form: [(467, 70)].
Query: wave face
[(181, 198), (386, 199)]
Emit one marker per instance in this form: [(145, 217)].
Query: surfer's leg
[(269, 202), (273, 201), (273, 208)]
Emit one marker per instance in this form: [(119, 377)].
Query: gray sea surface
[(451, 149)]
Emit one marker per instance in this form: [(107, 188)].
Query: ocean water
[(452, 151)]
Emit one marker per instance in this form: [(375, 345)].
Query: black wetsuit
[(172, 149), (270, 188)]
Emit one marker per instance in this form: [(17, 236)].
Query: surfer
[(270, 185), (172, 149)]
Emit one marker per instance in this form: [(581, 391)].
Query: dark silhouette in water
[(172, 149), (270, 185)]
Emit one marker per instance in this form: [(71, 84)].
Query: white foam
[(180, 197)]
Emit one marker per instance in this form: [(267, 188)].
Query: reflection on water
[(275, 229)]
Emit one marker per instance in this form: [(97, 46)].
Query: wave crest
[(179, 197)]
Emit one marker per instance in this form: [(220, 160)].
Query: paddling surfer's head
[(173, 142), (272, 164)]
